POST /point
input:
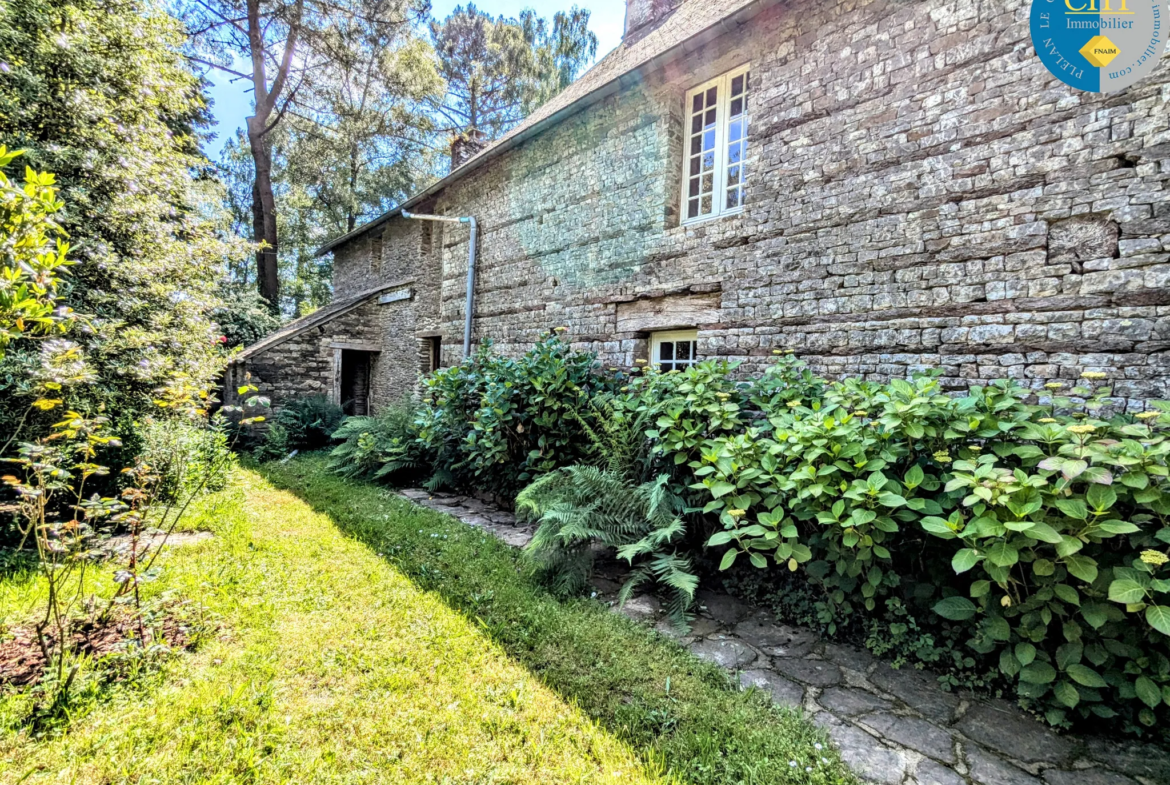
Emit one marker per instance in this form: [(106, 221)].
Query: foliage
[(497, 423), (498, 70), (34, 256), (578, 506), (189, 457), (1049, 508), (383, 447), (301, 424), (97, 93), (59, 506), (310, 60), (243, 317), (1017, 546)]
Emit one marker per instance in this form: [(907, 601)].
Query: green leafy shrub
[(302, 424), (189, 456), (578, 506), (1039, 516), (496, 423), (613, 505), (385, 446), (1017, 546)]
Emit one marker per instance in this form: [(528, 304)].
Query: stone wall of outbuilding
[(306, 364), (922, 193)]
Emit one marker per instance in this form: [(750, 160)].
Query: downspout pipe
[(469, 307)]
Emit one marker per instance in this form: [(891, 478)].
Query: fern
[(384, 447), (579, 505)]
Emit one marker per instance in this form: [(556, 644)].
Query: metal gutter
[(469, 305), (634, 75)]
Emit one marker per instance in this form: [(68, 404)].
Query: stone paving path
[(895, 727)]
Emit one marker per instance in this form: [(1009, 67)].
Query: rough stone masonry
[(921, 193)]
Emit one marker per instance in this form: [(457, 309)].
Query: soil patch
[(22, 661)]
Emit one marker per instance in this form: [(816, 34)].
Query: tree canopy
[(499, 69), (97, 92)]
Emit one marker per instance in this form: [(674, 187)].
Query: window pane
[(712, 94), (693, 208), (737, 129), (684, 350), (697, 104)]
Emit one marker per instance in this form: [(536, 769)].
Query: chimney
[(465, 146), (642, 16)]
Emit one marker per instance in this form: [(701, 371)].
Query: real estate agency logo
[(1100, 46)]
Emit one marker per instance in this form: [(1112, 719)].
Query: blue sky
[(231, 102)]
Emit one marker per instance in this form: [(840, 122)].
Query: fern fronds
[(580, 505)]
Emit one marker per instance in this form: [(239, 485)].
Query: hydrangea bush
[(1030, 533)]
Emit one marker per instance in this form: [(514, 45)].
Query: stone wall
[(306, 363), (922, 193)]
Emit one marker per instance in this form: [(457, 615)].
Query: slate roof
[(691, 25), (323, 314)]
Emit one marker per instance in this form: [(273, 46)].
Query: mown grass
[(645, 690), (366, 640)]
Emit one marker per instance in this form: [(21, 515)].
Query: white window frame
[(722, 104), (673, 336)]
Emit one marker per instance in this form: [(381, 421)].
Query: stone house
[(880, 185)]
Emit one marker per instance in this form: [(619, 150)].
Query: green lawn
[(366, 640)]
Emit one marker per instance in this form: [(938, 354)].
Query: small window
[(714, 168), (431, 355), (674, 351)]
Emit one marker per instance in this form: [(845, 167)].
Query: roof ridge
[(326, 312)]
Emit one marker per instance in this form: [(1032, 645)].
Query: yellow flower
[(942, 456), (1147, 415), (723, 396), (975, 448), (1053, 386), (790, 351), (1094, 375), (860, 413), (737, 513), (561, 329), (1156, 558), (639, 362), (1047, 419), (792, 404), (1006, 601), (777, 351), (1080, 429)]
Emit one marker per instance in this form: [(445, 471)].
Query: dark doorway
[(436, 351), (355, 381)]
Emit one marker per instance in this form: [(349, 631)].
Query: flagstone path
[(894, 727)]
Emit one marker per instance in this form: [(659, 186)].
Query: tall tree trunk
[(351, 214), (263, 200), (264, 215)]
